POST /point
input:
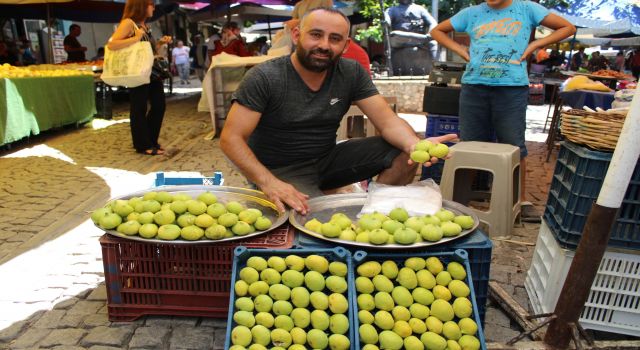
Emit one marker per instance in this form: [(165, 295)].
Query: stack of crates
[(175, 279), (614, 300)]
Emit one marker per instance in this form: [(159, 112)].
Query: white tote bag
[(130, 66)]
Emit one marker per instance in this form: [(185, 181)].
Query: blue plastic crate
[(576, 183), (459, 255), (477, 245), (216, 180), (241, 254), (438, 125)]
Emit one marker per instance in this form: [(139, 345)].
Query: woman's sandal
[(154, 151)]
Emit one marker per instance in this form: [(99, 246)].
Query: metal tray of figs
[(247, 197), (322, 208)]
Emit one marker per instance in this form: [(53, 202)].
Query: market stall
[(207, 265), (36, 104)]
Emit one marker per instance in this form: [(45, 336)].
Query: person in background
[(619, 62), (75, 51), (231, 42), (304, 6), (259, 47), (634, 63), (99, 55), (213, 46), (597, 62), (495, 84), (180, 58), (145, 127), (26, 53), (199, 56), (357, 53), (281, 128), (6, 56), (578, 60)]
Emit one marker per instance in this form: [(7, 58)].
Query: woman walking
[(147, 102)]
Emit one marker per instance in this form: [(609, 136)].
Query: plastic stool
[(503, 162)]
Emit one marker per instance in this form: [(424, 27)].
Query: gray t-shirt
[(299, 124)]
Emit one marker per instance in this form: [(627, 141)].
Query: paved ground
[(52, 292)]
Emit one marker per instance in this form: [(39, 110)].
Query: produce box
[(477, 245), (175, 279), (300, 302), (612, 305), (375, 275), (216, 180), (576, 183)]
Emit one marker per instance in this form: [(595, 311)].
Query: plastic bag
[(418, 199)]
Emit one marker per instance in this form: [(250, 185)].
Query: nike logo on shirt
[(334, 101)]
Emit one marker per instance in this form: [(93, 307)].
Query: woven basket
[(596, 130)]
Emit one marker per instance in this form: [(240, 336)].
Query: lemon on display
[(148, 230), (294, 262), (277, 263), (456, 270), (234, 207), (110, 221), (215, 232), (261, 335), (423, 145), (262, 223), (338, 268), (468, 326), (439, 151), (283, 322), (227, 219), (462, 307), (314, 225), (169, 232), (292, 278), (207, 198), (390, 340), (178, 207), (216, 209), (300, 297), (191, 233), (338, 323), (241, 335), (339, 342)]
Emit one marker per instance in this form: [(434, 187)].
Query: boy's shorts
[(486, 109)]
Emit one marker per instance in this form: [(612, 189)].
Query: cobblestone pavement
[(52, 293)]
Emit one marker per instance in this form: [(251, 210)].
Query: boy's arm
[(441, 34), (562, 29)]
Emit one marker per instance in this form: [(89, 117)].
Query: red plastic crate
[(172, 279)]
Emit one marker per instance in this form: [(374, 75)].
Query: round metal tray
[(322, 208), (248, 198)]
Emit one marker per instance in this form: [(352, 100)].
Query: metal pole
[(573, 41), (597, 230), (435, 5), (269, 27), (387, 42)]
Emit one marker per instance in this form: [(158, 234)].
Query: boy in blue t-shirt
[(495, 84)]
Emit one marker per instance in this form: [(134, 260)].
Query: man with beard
[(281, 128)]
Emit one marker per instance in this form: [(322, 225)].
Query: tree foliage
[(447, 8)]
